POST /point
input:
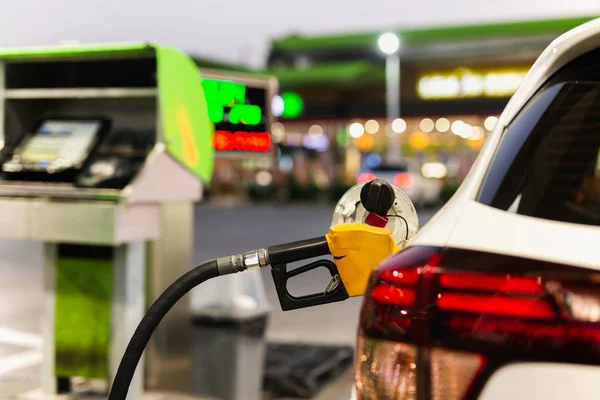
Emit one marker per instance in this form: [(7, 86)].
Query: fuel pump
[(371, 221)]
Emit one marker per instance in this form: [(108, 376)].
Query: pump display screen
[(62, 143)]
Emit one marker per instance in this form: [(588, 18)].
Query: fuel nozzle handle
[(377, 196), (296, 251), (281, 255)]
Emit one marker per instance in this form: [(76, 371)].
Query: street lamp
[(389, 44)]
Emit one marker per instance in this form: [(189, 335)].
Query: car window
[(548, 162)]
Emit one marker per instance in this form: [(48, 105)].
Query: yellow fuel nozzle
[(357, 250), (369, 223)]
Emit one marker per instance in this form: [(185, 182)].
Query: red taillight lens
[(495, 305), (388, 294), (365, 177), (463, 316), (403, 180), (404, 277), (491, 282)]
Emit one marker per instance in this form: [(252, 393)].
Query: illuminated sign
[(242, 141), (239, 114), (288, 105), (292, 105), (467, 83)]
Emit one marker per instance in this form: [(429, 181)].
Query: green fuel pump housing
[(109, 249)]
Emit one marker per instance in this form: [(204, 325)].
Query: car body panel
[(548, 381), (485, 228)]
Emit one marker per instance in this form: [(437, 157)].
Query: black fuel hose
[(148, 324), (275, 255)]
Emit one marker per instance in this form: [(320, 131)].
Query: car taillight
[(403, 180), (365, 177), (440, 323), (385, 370)]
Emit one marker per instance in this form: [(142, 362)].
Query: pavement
[(219, 231)]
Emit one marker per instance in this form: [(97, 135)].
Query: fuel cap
[(377, 196), (373, 197)]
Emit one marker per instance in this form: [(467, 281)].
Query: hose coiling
[(148, 324)]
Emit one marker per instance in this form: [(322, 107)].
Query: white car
[(498, 296), (421, 190)]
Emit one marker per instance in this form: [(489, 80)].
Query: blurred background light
[(371, 126), (373, 160), (478, 133), (365, 177), (404, 180), (315, 130), (490, 122), (502, 84), (264, 178), (399, 125), (356, 130), (277, 132), (286, 163), (442, 125), (475, 144), (341, 138), (418, 140), (466, 131), (365, 142), (321, 179), (277, 106), (316, 142), (462, 129), (427, 125), (456, 126), (471, 84), (434, 170), (433, 87), (463, 83), (292, 105), (388, 43)]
